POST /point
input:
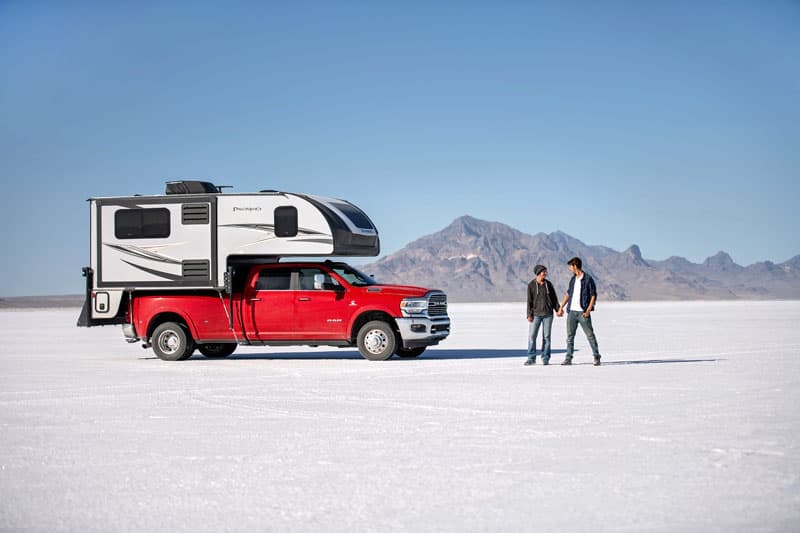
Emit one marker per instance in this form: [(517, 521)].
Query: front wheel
[(410, 353), (376, 341), (217, 350), (172, 342)]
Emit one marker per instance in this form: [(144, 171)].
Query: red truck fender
[(368, 314), (162, 314)]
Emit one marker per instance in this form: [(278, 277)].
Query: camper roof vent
[(191, 187)]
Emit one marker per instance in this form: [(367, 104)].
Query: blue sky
[(671, 125)]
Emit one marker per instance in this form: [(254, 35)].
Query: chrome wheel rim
[(376, 341), (169, 342)]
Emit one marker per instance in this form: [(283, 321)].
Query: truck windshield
[(354, 277)]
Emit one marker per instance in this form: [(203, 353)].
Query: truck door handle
[(304, 299), (254, 300)]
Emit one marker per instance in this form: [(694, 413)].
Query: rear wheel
[(410, 353), (376, 341), (172, 342), (217, 350)]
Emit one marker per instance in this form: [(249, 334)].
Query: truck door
[(270, 306), (323, 311)]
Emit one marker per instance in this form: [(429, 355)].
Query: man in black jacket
[(542, 302), (579, 302)]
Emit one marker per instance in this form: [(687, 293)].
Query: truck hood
[(398, 290)]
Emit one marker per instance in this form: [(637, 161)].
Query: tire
[(376, 341), (171, 342), (410, 353), (217, 350)]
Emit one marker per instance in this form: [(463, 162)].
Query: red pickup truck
[(302, 303)]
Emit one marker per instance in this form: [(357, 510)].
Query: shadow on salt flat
[(346, 354), (438, 355), (658, 361)]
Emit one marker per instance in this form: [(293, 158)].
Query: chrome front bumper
[(422, 331)]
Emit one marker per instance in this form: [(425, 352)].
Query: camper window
[(356, 216), (286, 221), (141, 223)]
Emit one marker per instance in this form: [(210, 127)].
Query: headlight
[(414, 306)]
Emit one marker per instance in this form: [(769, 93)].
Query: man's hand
[(586, 313), (530, 319), (560, 312)]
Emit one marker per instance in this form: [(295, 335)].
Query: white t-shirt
[(575, 302)]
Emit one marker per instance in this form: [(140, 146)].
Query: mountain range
[(475, 260)]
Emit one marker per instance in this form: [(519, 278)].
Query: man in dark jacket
[(542, 302), (579, 300)]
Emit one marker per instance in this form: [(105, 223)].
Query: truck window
[(306, 280), (274, 279), (352, 276), (141, 223)]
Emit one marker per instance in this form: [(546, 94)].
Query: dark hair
[(576, 262)]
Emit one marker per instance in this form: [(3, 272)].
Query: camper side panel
[(270, 225), (153, 242)]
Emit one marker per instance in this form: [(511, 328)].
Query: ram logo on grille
[(437, 305)]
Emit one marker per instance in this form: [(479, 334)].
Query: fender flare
[(167, 313), (366, 314)]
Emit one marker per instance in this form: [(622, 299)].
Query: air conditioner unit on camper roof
[(191, 187)]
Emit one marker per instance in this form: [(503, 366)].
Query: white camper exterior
[(187, 240)]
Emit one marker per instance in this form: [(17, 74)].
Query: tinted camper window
[(286, 221), (356, 216), (141, 223)]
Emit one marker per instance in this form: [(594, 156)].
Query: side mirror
[(319, 282)]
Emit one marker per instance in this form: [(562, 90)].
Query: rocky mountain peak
[(721, 261), (476, 260), (634, 255), (793, 263)]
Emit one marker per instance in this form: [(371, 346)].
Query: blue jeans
[(533, 332), (573, 319)]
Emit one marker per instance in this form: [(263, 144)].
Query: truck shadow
[(443, 355), (481, 354), (353, 354)]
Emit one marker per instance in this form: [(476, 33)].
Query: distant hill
[(41, 302), (476, 260)]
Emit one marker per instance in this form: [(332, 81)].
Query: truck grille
[(437, 305)]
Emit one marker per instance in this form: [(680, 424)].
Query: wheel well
[(369, 316), (165, 317)]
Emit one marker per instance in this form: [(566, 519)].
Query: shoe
[(546, 361), (596, 361), (567, 361), (530, 361)]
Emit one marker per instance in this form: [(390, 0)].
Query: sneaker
[(596, 361), (530, 361), (545, 361), (567, 361)]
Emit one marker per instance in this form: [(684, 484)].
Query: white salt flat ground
[(691, 425)]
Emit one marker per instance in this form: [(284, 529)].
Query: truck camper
[(200, 268)]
